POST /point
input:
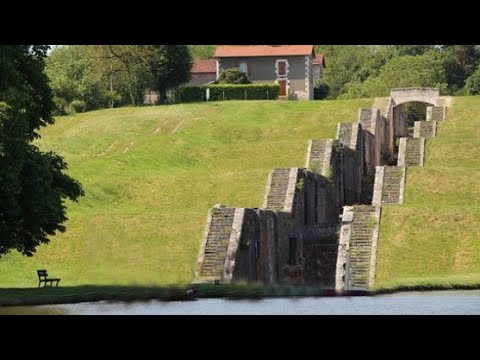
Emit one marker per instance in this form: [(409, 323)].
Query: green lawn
[(152, 173), (433, 239)]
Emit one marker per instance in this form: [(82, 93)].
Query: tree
[(460, 62), (344, 63), (33, 185), (413, 50), (126, 61), (169, 66), (74, 77), (202, 52), (403, 71), (472, 85), (232, 76)]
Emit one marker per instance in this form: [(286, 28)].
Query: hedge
[(227, 92)]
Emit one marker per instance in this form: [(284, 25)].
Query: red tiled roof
[(319, 59), (263, 50), (204, 66)]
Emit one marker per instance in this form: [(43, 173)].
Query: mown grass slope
[(433, 239), (152, 173)]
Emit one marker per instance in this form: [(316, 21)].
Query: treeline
[(368, 71), (99, 76)]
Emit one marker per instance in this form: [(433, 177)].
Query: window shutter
[(282, 68), (249, 66)]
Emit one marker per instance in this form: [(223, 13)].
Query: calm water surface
[(435, 302)]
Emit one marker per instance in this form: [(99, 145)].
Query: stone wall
[(404, 95), (436, 113), (296, 237), (357, 248), (293, 238), (389, 185), (411, 152), (213, 251), (359, 232), (425, 129)]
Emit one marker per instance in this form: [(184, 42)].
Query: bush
[(186, 94), (113, 97), (321, 90), (227, 92), (232, 76), (472, 85), (244, 92), (61, 106), (78, 106)]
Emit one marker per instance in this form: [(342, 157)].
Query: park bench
[(43, 277)]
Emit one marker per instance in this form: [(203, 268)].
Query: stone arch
[(416, 94)]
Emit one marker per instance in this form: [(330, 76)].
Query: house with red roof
[(203, 72), (318, 66), (290, 66)]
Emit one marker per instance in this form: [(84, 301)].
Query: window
[(244, 68), (282, 68)]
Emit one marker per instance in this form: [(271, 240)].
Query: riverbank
[(92, 293)]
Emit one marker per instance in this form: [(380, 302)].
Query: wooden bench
[(43, 277)]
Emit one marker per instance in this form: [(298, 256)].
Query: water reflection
[(438, 302)]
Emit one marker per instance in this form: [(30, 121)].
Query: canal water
[(435, 302)]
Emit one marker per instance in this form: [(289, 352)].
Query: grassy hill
[(434, 237), (151, 174)]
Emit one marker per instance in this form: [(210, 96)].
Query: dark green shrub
[(232, 76), (61, 106), (78, 106), (320, 90), (186, 94), (244, 92), (472, 85), (227, 92)]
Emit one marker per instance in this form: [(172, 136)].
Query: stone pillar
[(341, 274), (378, 186), (233, 244)]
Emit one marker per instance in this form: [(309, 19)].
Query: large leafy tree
[(460, 63), (33, 185), (344, 64), (169, 66), (126, 64)]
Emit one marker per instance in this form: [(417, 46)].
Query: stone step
[(278, 189), (217, 242), (360, 249)]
